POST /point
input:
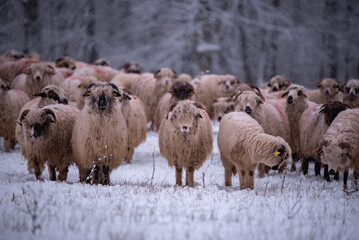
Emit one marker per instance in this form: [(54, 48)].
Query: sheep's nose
[(37, 131), (102, 102), (274, 89), (290, 100), (219, 118), (331, 172), (227, 87), (38, 78), (326, 92), (184, 129), (248, 110), (167, 82)]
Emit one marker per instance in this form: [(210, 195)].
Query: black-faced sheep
[(185, 138), (11, 102), (328, 90), (47, 138), (243, 145), (179, 91), (100, 137), (339, 148)]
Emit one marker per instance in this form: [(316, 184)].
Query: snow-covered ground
[(139, 206)]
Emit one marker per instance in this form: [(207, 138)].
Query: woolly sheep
[(243, 145), (278, 83), (10, 69), (131, 67), (185, 138), (47, 138), (179, 91), (222, 106), (313, 124), (103, 74), (102, 62), (11, 102), (100, 139), (36, 77), (351, 92), (125, 80), (339, 148), (328, 90), (151, 87)]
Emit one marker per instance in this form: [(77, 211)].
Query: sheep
[(211, 87), (11, 102), (185, 138), (296, 103), (179, 91), (46, 134), (125, 80), (339, 148), (10, 69), (36, 77), (278, 83), (313, 124), (350, 91), (102, 73), (328, 90), (151, 87), (65, 62), (13, 55), (100, 138), (74, 88), (134, 113), (269, 114), (131, 67), (102, 62), (243, 145), (222, 106)]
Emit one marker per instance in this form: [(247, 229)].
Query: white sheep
[(46, 134), (185, 138), (243, 145), (100, 139), (11, 102)]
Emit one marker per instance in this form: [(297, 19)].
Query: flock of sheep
[(67, 112)]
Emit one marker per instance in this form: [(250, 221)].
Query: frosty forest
[(179, 119)]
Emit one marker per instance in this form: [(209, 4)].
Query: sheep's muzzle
[(102, 102), (37, 131)]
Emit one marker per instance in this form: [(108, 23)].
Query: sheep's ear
[(22, 116), (50, 69), (322, 109), (285, 94), (175, 74), (28, 70), (60, 62), (301, 93), (170, 109), (199, 105), (51, 114), (343, 145), (259, 100), (157, 73), (126, 97), (317, 84), (199, 115), (40, 94)]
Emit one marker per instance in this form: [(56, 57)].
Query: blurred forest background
[(253, 39)]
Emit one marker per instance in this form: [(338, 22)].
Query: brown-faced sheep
[(125, 80), (133, 111), (36, 77), (100, 137), (296, 103), (151, 87), (47, 138), (339, 148), (211, 87), (278, 83), (131, 67), (65, 62), (185, 138), (222, 106), (103, 74), (179, 91), (313, 124), (243, 145), (351, 92), (269, 114), (328, 90), (11, 102)]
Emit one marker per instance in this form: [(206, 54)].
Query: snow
[(146, 204)]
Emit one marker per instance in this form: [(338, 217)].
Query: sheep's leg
[(336, 176), (63, 174), (282, 168), (106, 175), (228, 176), (305, 166), (129, 154), (7, 144), (345, 179), (317, 168), (190, 177), (85, 175), (179, 176), (52, 172), (326, 173), (95, 175), (37, 169), (294, 160), (12, 143), (261, 170)]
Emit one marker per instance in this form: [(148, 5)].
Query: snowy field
[(144, 203)]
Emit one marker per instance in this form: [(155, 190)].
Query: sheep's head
[(278, 83), (276, 153), (227, 83), (101, 97), (14, 55), (329, 87), (36, 123), (132, 67), (184, 116), (3, 87), (248, 102), (295, 93), (102, 62), (65, 62), (165, 77), (52, 94), (37, 72), (222, 106), (332, 109), (338, 155), (351, 90), (182, 90)]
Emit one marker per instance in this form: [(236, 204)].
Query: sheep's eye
[(116, 94), (87, 93)]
